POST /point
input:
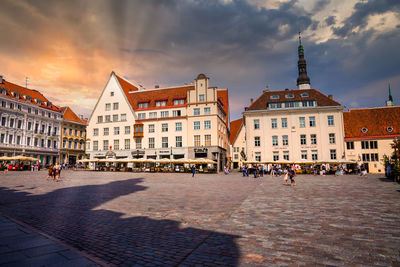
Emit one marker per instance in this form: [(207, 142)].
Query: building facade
[(238, 143), (369, 133), (30, 123), (300, 125), (73, 137), (188, 121)]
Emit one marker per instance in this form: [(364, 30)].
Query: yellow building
[(73, 136), (369, 133)]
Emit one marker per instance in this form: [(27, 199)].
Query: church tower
[(303, 81)]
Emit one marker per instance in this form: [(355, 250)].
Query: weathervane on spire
[(299, 37)]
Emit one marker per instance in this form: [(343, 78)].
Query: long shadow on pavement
[(69, 215)]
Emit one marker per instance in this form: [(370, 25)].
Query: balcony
[(138, 130)]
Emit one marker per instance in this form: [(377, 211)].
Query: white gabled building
[(110, 128), (188, 121)]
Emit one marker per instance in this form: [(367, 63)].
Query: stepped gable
[(313, 94), (69, 115), (376, 122), (154, 95), (34, 94), (235, 127)]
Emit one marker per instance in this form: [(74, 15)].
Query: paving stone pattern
[(20, 246), (148, 219)]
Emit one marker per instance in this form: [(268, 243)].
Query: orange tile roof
[(313, 94), (34, 94), (126, 87), (69, 115), (235, 127), (152, 96), (222, 95), (376, 120)]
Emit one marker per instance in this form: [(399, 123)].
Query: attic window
[(16, 94), (144, 105), (304, 95), (389, 129), (289, 96), (39, 101), (364, 130), (274, 96), (111, 93), (48, 104), (3, 91)]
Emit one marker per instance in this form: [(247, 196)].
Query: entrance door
[(71, 160)]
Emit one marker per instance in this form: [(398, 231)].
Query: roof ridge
[(165, 88)]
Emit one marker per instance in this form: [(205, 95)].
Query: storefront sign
[(201, 150)]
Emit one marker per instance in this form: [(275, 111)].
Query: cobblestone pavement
[(212, 220), (20, 246)]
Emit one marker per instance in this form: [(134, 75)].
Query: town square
[(142, 219), (200, 133)]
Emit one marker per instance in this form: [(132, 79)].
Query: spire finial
[(299, 37)]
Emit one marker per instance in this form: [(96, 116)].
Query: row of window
[(302, 122), (162, 103), (115, 106), (303, 140), (17, 140), (163, 114), (164, 143), (304, 155), (292, 104), (13, 123), (107, 118), (370, 157), (20, 107), (289, 96), (73, 132), (75, 144), (364, 145)]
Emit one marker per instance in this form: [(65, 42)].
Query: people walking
[(292, 177), (286, 176), (193, 170), (244, 170), (50, 173)]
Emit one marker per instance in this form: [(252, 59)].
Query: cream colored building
[(188, 121), (369, 133), (238, 143), (301, 125)]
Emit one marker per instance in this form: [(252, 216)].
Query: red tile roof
[(235, 127), (11, 87), (313, 94), (375, 120), (126, 87), (222, 95), (152, 96), (69, 115)]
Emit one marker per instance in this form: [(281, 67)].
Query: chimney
[(81, 117), (266, 89), (251, 100), (1, 78), (286, 89), (330, 96), (156, 86)]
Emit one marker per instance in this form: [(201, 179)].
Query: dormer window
[(304, 95), (38, 101), (364, 130), (389, 129), (48, 104), (289, 96), (179, 102), (274, 97), (144, 105), (3, 91), (161, 103)]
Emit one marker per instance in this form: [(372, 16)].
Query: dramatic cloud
[(69, 48)]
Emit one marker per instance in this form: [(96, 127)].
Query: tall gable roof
[(375, 120), (69, 115), (152, 96), (126, 87), (33, 94), (235, 127), (313, 94)]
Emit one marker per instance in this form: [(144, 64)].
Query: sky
[(68, 49)]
